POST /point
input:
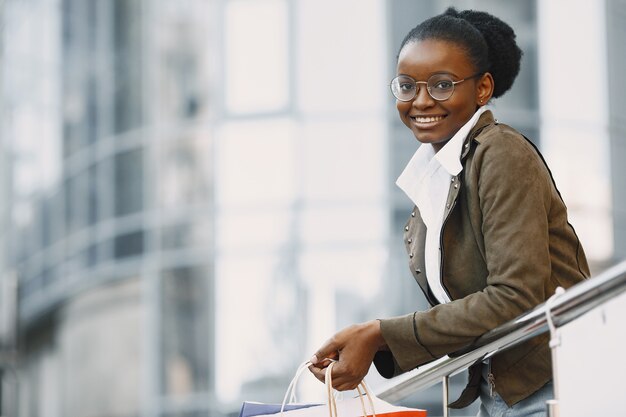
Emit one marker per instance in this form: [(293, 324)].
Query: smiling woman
[(488, 238)]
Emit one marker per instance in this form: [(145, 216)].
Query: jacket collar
[(450, 155), (485, 120)]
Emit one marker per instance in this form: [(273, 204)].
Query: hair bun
[(504, 54), (451, 11)]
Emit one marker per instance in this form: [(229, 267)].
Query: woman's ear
[(484, 89)]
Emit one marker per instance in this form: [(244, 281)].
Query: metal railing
[(572, 304)]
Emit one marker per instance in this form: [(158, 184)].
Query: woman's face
[(433, 121)]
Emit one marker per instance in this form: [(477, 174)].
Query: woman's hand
[(353, 348)]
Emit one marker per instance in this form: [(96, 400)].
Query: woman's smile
[(426, 121)]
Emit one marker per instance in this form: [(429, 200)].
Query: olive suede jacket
[(506, 245)]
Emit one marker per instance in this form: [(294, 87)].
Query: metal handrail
[(573, 303)]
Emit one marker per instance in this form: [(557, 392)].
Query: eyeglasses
[(440, 86)]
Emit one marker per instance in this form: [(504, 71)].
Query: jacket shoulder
[(496, 131), (503, 140)]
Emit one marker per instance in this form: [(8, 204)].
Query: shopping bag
[(251, 408), (365, 404)]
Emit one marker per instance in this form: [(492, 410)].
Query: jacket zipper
[(443, 226)]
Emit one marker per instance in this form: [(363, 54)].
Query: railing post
[(446, 412), (552, 407)]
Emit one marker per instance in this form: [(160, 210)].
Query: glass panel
[(92, 255), (104, 250), (31, 99), (128, 182), (195, 233), (341, 69), (93, 194), (344, 160), (176, 236), (336, 223), (53, 275), (91, 110), (23, 219), (256, 163), (129, 244), (260, 319), (79, 85), (75, 262), (256, 56), (128, 51), (106, 176), (53, 218), (254, 230), (76, 200), (30, 287), (182, 71), (186, 171), (185, 330)]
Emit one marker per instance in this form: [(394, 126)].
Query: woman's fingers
[(329, 350), (341, 382), (353, 348), (319, 373)]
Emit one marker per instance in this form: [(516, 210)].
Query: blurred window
[(185, 330), (196, 232), (256, 64), (185, 174), (129, 181), (129, 244), (52, 218), (128, 53), (93, 194), (256, 163), (76, 189)]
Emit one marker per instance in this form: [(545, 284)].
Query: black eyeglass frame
[(417, 89)]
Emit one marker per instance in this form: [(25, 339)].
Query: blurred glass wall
[(195, 194)]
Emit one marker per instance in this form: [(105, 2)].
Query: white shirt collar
[(449, 157)]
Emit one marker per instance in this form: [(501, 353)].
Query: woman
[(488, 238)]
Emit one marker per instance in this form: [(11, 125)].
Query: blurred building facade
[(185, 183), (108, 215)]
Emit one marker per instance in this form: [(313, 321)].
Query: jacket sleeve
[(515, 193)]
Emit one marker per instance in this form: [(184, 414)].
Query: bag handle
[(328, 380), (292, 386)]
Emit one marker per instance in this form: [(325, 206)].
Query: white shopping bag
[(366, 404)]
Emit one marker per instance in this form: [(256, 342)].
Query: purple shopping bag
[(251, 408)]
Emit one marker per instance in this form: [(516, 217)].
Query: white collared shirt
[(426, 181)]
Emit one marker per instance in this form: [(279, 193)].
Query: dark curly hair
[(489, 42)]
